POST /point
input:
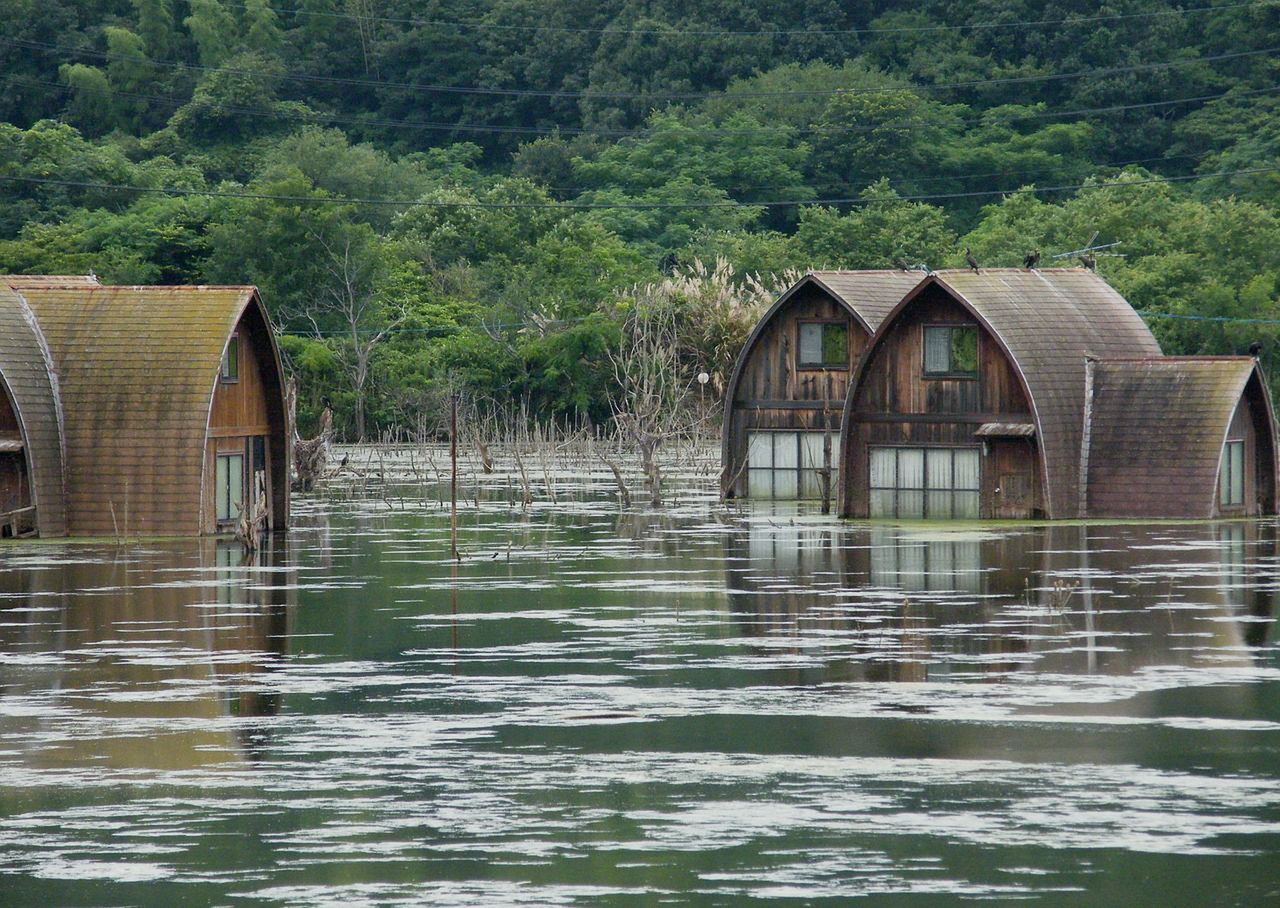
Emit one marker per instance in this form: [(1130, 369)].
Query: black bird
[(345, 460), (902, 264), (1255, 349), (1031, 260), (973, 263), (1088, 261)]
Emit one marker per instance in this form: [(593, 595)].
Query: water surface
[(694, 706)]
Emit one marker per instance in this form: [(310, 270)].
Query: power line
[(318, 117), (1210, 318), (572, 205), (447, 331), (479, 25), (623, 95)]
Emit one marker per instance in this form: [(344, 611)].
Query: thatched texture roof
[(1156, 431), (1048, 322)]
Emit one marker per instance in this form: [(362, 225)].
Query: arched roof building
[(172, 405), (1025, 393)]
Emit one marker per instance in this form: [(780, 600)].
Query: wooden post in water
[(453, 477)]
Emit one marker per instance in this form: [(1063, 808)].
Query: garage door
[(787, 464), (928, 483)]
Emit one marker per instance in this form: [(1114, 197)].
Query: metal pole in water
[(453, 478)]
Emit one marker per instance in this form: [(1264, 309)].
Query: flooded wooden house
[(1012, 393), (1179, 436), (163, 407), (788, 387)]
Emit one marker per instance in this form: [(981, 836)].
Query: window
[(228, 489), (824, 344), (231, 360), (951, 350), (788, 464), (1231, 475), (930, 483)]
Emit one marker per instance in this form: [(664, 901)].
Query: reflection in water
[(924, 603), (144, 659)]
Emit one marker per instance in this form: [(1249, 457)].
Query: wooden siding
[(137, 368), (1157, 428), (770, 390), (31, 393), (896, 404)]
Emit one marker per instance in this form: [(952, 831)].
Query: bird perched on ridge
[(1088, 261), (1031, 259), (972, 262), (1255, 349), (902, 264)]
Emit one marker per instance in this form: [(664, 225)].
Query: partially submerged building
[(140, 410), (788, 387), (1178, 436), (1012, 393)]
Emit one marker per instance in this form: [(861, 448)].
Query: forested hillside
[(476, 194)]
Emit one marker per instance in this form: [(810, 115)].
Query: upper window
[(824, 344), (1231, 475), (231, 359), (951, 350)]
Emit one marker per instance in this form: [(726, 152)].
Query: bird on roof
[(972, 262), (1088, 261), (1031, 259), (902, 264), (1255, 349)]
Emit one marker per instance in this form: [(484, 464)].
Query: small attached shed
[(788, 387), (1179, 437), (968, 403), (171, 402)]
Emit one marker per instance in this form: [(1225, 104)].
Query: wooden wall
[(896, 404), (1250, 423), (244, 409), (773, 392)]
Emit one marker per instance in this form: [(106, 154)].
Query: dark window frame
[(950, 373), (822, 366), (229, 372), (1227, 477)]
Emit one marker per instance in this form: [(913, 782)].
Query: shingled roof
[(1156, 431), (869, 295), (137, 367), (25, 369), (1048, 321)]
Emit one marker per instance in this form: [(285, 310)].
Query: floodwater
[(696, 706)]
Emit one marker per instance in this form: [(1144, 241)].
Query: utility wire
[(979, 120), (626, 95), (447, 331), (572, 205), (480, 25)]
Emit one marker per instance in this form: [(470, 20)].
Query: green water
[(698, 706)]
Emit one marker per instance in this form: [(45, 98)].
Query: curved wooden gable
[(137, 368), (28, 377), (1156, 429), (1046, 323), (866, 296)]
